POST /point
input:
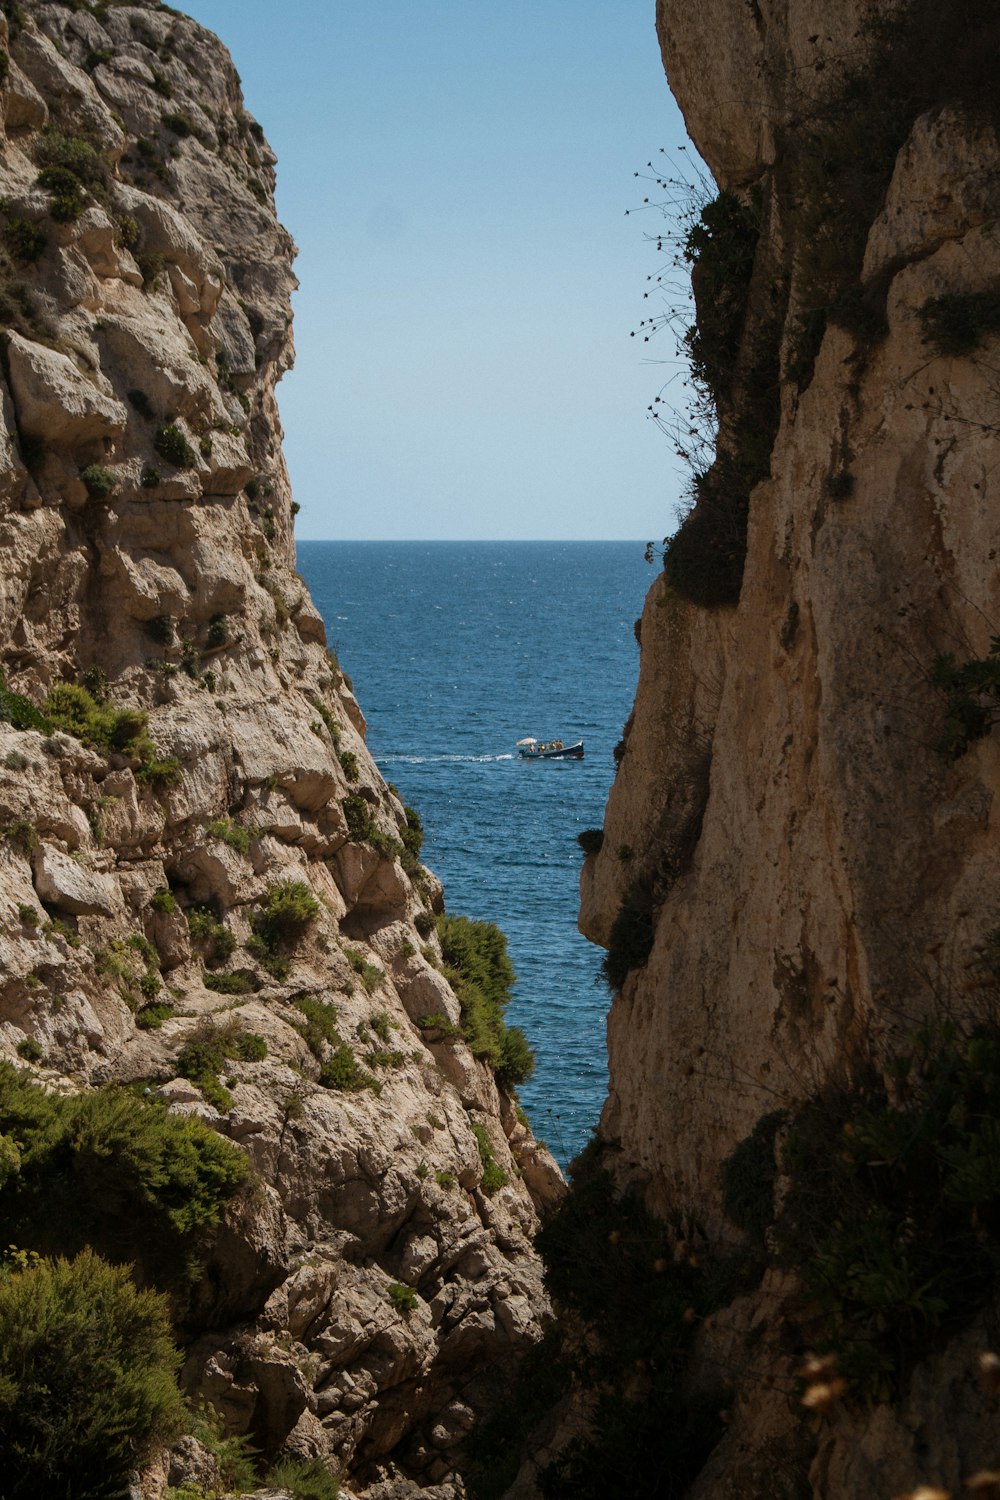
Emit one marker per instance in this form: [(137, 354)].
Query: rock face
[(372, 1295), (817, 873)]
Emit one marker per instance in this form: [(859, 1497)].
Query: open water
[(457, 650)]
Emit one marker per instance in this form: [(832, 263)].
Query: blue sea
[(457, 650)]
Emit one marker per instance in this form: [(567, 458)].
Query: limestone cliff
[(195, 841), (811, 834)]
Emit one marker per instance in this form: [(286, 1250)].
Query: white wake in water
[(428, 760)]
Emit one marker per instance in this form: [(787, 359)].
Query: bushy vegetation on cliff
[(479, 970), (733, 355), (87, 1384), (113, 1171), (96, 1189)]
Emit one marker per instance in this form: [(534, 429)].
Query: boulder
[(55, 401), (70, 886)]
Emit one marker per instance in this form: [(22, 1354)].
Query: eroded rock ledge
[(371, 1296)]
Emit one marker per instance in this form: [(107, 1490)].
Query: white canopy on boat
[(528, 741)]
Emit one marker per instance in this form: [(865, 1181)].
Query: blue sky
[(456, 176)]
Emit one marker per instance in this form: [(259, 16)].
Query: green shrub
[(387, 846), (152, 269), (363, 829), (180, 125), (56, 927), (113, 1170), (218, 943), (210, 1048), (720, 246), (233, 834), (591, 840), (99, 482), (382, 1024), (371, 975), (22, 834), (289, 909), (87, 1386), (444, 1179), (404, 1298), (151, 1017), (358, 816), (160, 772), (130, 238), (133, 963), (29, 1049), (333, 727), (437, 1021), (425, 923), (150, 477), (319, 1028), (20, 309), (67, 191), (10, 1165), (494, 1176), (479, 970), (342, 1071), (234, 1454), (108, 729), (412, 834), (26, 243), (517, 1060), (20, 712), (217, 633), (304, 1479), (190, 658), (349, 764), (173, 447), (734, 359), (16, 16), (161, 82), (383, 1057), (251, 1047), (163, 900), (230, 984), (75, 155)]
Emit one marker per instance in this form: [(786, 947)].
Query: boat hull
[(568, 752)]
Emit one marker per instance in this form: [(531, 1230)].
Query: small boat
[(532, 749)]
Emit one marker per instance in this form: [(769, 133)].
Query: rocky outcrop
[(814, 859), (365, 1303)]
